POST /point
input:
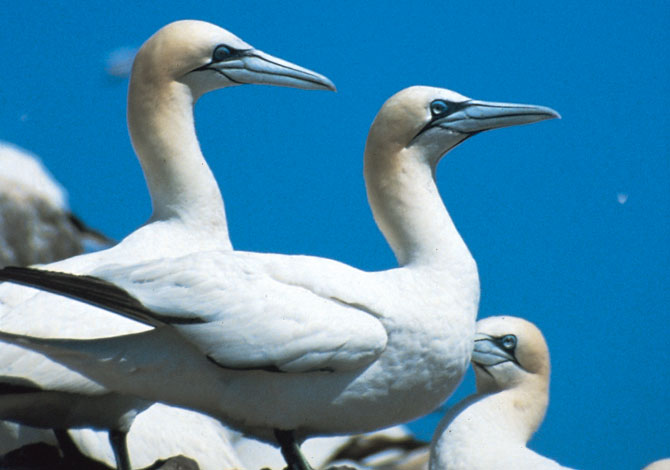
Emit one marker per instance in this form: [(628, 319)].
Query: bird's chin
[(482, 368)]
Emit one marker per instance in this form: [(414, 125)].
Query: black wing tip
[(83, 288)]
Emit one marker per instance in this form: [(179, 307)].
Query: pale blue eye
[(221, 53), (439, 107), (509, 342)]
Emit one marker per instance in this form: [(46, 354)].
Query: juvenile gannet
[(36, 224), (490, 429), (177, 65), (287, 347)]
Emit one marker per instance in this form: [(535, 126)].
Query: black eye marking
[(439, 108), (222, 52), (508, 342)]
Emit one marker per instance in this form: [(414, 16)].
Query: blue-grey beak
[(254, 66), (476, 116), (488, 353)]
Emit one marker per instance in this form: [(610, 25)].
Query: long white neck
[(409, 210), (511, 415), (182, 187), (485, 430)]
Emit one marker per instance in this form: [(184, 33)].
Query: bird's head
[(509, 351), (206, 57), (435, 120)]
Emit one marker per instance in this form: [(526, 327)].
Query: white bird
[(162, 431), (384, 448), (157, 433), (663, 464), (15, 436), (393, 448), (287, 347), (36, 224), (490, 429), (177, 65), (255, 454)]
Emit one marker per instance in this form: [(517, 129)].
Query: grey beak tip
[(553, 114)]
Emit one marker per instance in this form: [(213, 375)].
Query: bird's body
[(289, 347), (383, 449), (157, 433), (344, 370), (161, 432), (171, 71), (662, 464), (491, 428), (36, 224)]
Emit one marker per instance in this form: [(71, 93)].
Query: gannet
[(663, 464), (176, 66), (393, 448), (385, 447), (490, 429), (286, 347), (36, 224), (157, 433), (162, 431)]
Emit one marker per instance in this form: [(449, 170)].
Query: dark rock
[(46, 457), (175, 463), (43, 456)]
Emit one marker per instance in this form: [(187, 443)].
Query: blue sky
[(568, 220)]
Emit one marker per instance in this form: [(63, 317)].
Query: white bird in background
[(161, 432), (36, 224), (387, 448), (177, 65), (490, 429), (158, 433), (287, 347)]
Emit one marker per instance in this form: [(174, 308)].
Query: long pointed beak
[(477, 116), (488, 353), (260, 68)]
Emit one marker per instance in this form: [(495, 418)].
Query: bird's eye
[(439, 107), (508, 342), (222, 53)]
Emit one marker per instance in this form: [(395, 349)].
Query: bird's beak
[(488, 353), (477, 116), (260, 68)]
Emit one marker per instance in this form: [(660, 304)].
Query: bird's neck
[(181, 184), (512, 415), (409, 210)]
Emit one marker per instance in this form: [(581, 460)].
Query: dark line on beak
[(226, 75), (475, 364), (314, 81)]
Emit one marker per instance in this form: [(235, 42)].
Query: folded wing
[(232, 310)]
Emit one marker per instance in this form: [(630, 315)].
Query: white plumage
[(297, 346), (161, 432), (663, 464), (386, 448), (36, 224), (172, 70), (490, 429)]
